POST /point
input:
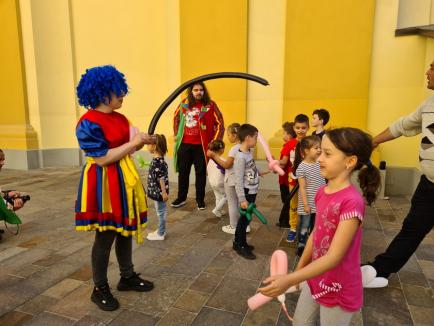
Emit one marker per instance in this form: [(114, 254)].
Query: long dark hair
[(303, 145), (205, 99), (353, 141)]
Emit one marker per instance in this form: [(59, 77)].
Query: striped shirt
[(310, 172)]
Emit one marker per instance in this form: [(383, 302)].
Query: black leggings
[(101, 254)]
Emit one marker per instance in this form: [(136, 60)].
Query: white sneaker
[(378, 282), (368, 274), (228, 229), (248, 229), (217, 213), (154, 236)]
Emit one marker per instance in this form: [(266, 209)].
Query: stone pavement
[(45, 273)]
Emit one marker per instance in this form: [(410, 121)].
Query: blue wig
[(98, 84)]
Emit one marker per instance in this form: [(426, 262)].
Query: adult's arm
[(219, 125), (117, 153)]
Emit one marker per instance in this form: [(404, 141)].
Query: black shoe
[(244, 252), (178, 203), (104, 299), (135, 283), (236, 247), (201, 205)]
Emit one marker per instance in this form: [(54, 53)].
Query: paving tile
[(83, 274), (422, 316), (133, 318), (48, 319), (232, 294), (26, 270), (62, 288), (37, 305), (35, 241), (220, 264), (193, 262), (213, 317), (264, 315), (168, 288), (419, 296), (383, 316), (48, 261), (89, 321), (192, 301), (427, 268), (411, 278), (206, 283), (249, 269), (425, 252), (10, 252), (14, 318), (177, 317), (75, 305)]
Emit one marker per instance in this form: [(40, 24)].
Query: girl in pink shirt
[(331, 260)]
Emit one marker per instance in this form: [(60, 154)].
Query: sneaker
[(155, 236), (228, 229), (378, 282), (291, 236), (248, 229), (134, 283), (178, 203), (250, 247), (103, 298), (217, 213), (244, 252), (201, 205)]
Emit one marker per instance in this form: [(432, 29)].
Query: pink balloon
[(273, 165), (278, 266)]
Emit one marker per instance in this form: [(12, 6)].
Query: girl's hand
[(209, 153), (165, 197), (275, 285), (244, 204), (307, 209), (18, 203)]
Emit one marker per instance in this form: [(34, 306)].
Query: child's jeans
[(161, 209), (303, 228), (241, 231), (220, 197)]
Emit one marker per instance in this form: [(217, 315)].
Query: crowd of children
[(112, 201)]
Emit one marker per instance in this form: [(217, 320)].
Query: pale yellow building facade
[(341, 55)]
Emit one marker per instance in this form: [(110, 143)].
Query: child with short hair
[(158, 185), (216, 175), (289, 209), (289, 137), (331, 260), (246, 185), (320, 118), (310, 180)]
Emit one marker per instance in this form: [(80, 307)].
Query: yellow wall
[(214, 39), (327, 61), (15, 132), (266, 58), (398, 82)]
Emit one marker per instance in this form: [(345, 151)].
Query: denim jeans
[(303, 229), (161, 209)]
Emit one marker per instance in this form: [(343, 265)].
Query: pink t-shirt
[(342, 285)]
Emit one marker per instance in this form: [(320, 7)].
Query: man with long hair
[(197, 122)]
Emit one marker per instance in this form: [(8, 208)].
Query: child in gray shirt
[(246, 186)]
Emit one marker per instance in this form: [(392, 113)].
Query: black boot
[(134, 283), (104, 299)]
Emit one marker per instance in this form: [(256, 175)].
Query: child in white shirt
[(216, 175)]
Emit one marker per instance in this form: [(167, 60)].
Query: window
[(415, 17)]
